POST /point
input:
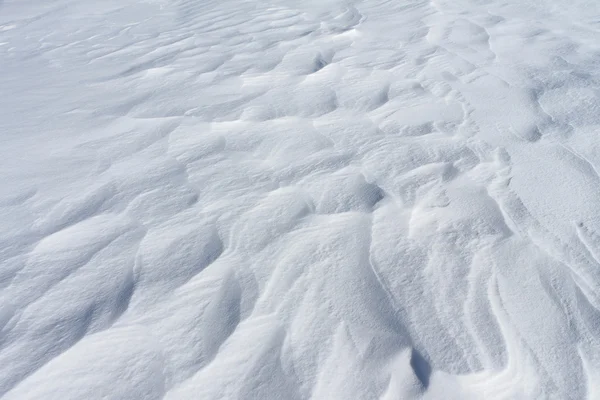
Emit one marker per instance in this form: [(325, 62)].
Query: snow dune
[(319, 199)]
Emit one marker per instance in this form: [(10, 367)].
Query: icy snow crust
[(299, 199)]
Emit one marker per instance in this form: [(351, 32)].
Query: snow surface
[(318, 199)]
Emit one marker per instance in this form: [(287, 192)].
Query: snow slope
[(319, 199)]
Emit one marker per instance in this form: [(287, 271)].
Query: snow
[(319, 199)]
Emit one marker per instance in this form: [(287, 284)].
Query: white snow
[(318, 199)]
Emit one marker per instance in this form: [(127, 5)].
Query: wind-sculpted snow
[(299, 199)]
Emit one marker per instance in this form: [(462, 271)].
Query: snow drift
[(299, 199)]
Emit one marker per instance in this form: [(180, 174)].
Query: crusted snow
[(319, 199)]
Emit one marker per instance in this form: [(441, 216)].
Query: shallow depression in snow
[(334, 199)]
